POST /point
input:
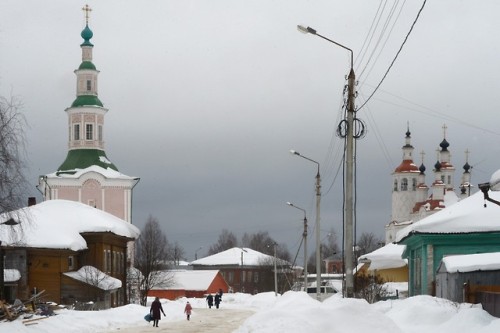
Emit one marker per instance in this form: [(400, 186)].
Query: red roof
[(407, 166)]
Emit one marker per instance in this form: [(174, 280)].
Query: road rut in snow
[(202, 320)]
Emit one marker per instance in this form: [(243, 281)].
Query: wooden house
[(58, 237), (467, 227), (385, 262)]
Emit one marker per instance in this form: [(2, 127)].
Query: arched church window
[(404, 184), (395, 188), (413, 184)]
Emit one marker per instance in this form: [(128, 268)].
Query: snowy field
[(291, 312)]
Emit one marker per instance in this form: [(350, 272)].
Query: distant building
[(245, 270), (190, 284), (412, 199)]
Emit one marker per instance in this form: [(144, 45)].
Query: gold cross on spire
[(87, 11), (444, 131), (467, 152)]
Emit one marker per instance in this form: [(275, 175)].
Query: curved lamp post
[(349, 165), (304, 236), (318, 235)]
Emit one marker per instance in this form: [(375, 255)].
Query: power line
[(397, 54)]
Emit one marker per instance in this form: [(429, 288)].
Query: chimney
[(31, 201)]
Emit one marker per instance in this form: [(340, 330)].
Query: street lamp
[(304, 236), (318, 235), (10, 222), (196, 253), (349, 166)]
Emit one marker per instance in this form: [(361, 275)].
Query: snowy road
[(202, 320)]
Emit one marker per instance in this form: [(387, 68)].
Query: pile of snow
[(291, 312)]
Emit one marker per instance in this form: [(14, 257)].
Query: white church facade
[(412, 199)]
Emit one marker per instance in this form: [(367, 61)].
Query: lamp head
[(293, 152), (289, 203), (306, 30)]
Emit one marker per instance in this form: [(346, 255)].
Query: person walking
[(217, 300), (155, 311), (210, 301), (187, 310)]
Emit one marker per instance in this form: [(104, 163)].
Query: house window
[(76, 131), (230, 276), (243, 276), (71, 262), (395, 188), (249, 276), (256, 277), (89, 132), (404, 184), (89, 85)]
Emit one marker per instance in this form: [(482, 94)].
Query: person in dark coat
[(210, 300), (155, 311), (217, 300)]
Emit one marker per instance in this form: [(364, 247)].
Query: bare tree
[(367, 243), (226, 241), (261, 241), (177, 253), (12, 151), (151, 254)]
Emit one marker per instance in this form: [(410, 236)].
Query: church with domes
[(412, 198), (87, 175)]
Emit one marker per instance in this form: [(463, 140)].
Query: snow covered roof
[(471, 262), (94, 277), (466, 216), (189, 280), (58, 224), (241, 256), (77, 173), (388, 256)]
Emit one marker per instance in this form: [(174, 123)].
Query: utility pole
[(349, 203)]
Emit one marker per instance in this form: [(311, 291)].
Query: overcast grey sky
[(206, 98)]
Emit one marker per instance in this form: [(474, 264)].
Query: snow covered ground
[(291, 312)]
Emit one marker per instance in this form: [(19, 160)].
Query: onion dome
[(466, 167), (422, 168), (444, 145), (437, 166), (87, 34)]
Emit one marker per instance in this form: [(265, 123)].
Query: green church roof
[(87, 65), (84, 158), (86, 100)]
